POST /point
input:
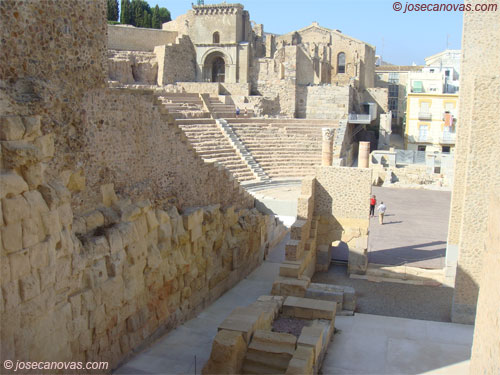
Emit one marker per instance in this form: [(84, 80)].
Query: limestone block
[(11, 295), (323, 258), (18, 153), (65, 215), (29, 287), (45, 144), (11, 128), (15, 209), (34, 174), (11, 184), (76, 181), (312, 337), (141, 226), (284, 286), (357, 260), (39, 255), (112, 292), (152, 221), (93, 219), (96, 247), (302, 362), (165, 232), (36, 201), (128, 233), (154, 257), (19, 264), (47, 277), (12, 237), (52, 223), (228, 352), (309, 308), (293, 250), (32, 127), (115, 262), (114, 239), (130, 213), (272, 349), (33, 231), (108, 195)]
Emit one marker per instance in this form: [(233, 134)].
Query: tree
[(112, 10), (155, 18), (164, 15), (146, 19), (125, 16)]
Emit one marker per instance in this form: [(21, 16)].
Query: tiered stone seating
[(184, 105), (222, 110), (210, 143), (283, 147)]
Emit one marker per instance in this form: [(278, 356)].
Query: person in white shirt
[(381, 211)]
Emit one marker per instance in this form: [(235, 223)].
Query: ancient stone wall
[(485, 357), (130, 38), (93, 287), (52, 55), (323, 102), (341, 200), (132, 67), (476, 165), (101, 248), (176, 61), (129, 142)]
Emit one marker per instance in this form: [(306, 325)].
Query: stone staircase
[(184, 105), (269, 353), (242, 151), (221, 110), (282, 147)]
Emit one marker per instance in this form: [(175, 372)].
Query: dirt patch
[(290, 325)]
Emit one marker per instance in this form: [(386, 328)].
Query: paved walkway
[(415, 228), (367, 344)]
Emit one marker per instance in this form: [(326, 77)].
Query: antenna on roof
[(201, 2)]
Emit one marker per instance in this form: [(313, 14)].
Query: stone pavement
[(367, 344), (371, 344), (415, 228)]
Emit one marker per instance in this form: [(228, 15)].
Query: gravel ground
[(290, 325), (393, 299)]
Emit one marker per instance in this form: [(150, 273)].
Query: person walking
[(381, 211), (373, 202)]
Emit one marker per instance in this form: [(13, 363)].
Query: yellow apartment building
[(431, 122)]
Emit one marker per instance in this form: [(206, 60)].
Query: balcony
[(355, 118), (448, 138), (426, 116)]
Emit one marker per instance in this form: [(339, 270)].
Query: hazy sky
[(400, 38)]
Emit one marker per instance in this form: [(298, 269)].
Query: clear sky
[(400, 38)]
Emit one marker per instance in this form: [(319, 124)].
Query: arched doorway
[(214, 68), (218, 69)]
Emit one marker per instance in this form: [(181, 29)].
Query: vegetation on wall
[(138, 13)]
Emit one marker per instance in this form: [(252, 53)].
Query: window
[(447, 73), (446, 149), (393, 104), (422, 133), (341, 63), (425, 107), (393, 77), (421, 148), (393, 91), (417, 86), (432, 70), (216, 37)]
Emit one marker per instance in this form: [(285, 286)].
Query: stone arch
[(215, 65)]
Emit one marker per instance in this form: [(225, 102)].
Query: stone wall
[(476, 165), (323, 102), (93, 287), (341, 200), (129, 142), (176, 61), (130, 38), (112, 229), (132, 67), (485, 357)]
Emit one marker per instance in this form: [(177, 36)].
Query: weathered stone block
[(309, 308), (18, 153), (33, 231), (32, 127), (29, 287), (34, 174), (228, 352), (45, 144), (93, 220), (15, 209), (108, 195), (284, 286), (12, 237), (39, 255), (302, 362), (11, 184), (312, 337), (76, 181), (11, 128)]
